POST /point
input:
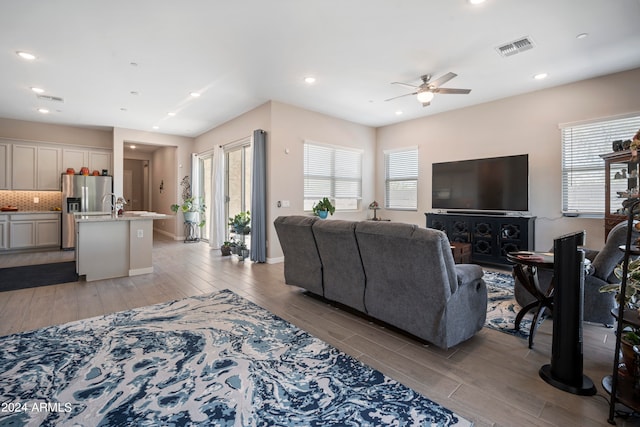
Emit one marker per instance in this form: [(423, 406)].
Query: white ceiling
[(240, 54)]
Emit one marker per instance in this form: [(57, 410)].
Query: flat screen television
[(497, 184)]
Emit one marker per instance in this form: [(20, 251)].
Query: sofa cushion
[(410, 276), (343, 276), (303, 266)]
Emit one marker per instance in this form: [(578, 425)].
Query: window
[(401, 179), (582, 168), (332, 172)]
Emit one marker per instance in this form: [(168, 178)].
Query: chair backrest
[(611, 255), (302, 266), (342, 273), (406, 267)]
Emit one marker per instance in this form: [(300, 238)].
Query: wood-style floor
[(491, 379)]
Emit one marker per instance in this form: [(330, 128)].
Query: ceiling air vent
[(520, 45), (50, 98)]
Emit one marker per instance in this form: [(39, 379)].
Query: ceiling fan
[(428, 88)]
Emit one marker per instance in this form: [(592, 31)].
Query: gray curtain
[(259, 198)]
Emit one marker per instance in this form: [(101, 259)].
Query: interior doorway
[(136, 184)]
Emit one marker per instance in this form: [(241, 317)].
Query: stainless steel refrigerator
[(82, 194)]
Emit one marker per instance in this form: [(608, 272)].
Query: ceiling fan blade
[(405, 84), (451, 90), (441, 80), (400, 96)]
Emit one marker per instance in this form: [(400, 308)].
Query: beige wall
[(287, 127), (168, 164), (516, 125), (520, 124), (44, 132)]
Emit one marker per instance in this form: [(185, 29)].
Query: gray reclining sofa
[(398, 273)]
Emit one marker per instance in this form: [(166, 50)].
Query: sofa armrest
[(468, 273)]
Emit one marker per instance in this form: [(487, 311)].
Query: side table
[(525, 269), (461, 252)]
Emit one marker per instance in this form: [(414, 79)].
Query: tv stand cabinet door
[(491, 237)]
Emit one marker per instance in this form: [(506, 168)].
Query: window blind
[(583, 180), (401, 179), (332, 172)]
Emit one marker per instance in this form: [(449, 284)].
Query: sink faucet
[(112, 196)]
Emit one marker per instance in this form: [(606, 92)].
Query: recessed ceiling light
[(26, 55), (37, 90), (43, 110), (540, 76), (476, 1), (194, 94), (398, 113), (582, 36), (155, 127), (310, 80), (171, 114)]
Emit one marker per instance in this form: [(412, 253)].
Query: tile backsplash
[(23, 200)]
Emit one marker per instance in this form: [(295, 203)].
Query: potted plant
[(631, 301), (225, 249), (240, 223), (323, 208), (191, 207)]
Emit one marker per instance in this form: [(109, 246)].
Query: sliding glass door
[(238, 181), (205, 169)]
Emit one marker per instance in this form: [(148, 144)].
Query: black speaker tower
[(565, 370)]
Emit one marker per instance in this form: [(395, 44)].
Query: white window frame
[(583, 174), (349, 175), (404, 174)]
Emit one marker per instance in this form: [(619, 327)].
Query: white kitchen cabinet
[(4, 232), (22, 234), (5, 166), (24, 167), (75, 158), (49, 165), (36, 167), (33, 230), (99, 160), (48, 232)]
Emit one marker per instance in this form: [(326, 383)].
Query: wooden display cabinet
[(621, 182)]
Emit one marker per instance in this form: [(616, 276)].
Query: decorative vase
[(323, 214), (191, 217)]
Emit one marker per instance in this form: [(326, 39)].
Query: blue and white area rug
[(502, 307), (208, 360)]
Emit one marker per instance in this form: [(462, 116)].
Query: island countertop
[(127, 216), (109, 246)]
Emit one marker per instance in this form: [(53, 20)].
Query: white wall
[(516, 125)]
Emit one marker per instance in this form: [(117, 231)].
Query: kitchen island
[(109, 246)]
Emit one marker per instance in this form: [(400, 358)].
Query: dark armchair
[(597, 305)]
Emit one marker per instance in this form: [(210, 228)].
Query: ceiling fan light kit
[(427, 90), (425, 96)]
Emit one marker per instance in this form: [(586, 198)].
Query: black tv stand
[(492, 237), (491, 213)]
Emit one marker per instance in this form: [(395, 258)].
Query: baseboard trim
[(275, 260), (139, 271)]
